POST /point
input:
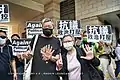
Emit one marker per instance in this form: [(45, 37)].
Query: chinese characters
[(97, 33)]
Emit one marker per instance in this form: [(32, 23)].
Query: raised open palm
[(47, 52), (89, 53)]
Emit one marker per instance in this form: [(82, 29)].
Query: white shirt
[(74, 67)]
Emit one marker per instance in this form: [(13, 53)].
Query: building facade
[(99, 12), (90, 12)]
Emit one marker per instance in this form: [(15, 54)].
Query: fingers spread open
[(83, 57), (52, 51), (48, 46), (87, 47), (84, 50)]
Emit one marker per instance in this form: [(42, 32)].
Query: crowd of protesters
[(50, 58)]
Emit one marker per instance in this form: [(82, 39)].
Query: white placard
[(96, 33), (69, 27), (4, 13), (33, 28), (20, 45)]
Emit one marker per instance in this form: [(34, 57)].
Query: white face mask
[(68, 46), (2, 41)]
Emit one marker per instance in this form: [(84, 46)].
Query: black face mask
[(47, 32)]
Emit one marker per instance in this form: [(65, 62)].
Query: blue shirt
[(117, 51)]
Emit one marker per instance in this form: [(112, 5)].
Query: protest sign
[(69, 27), (20, 45), (33, 28), (96, 33), (4, 13)]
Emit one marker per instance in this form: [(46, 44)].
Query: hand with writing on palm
[(47, 52), (89, 53)]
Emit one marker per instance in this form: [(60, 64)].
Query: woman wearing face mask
[(19, 63), (79, 64)]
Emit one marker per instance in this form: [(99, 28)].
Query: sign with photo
[(72, 27), (20, 45), (98, 33), (33, 28), (4, 13)]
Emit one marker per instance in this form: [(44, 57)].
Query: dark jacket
[(88, 68), (6, 56)]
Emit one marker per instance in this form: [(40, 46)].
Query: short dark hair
[(3, 32), (78, 38), (118, 41), (15, 35), (84, 32)]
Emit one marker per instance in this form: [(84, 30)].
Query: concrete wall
[(88, 11), (10, 29), (89, 8), (90, 21), (114, 37), (51, 10)]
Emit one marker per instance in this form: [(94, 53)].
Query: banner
[(98, 33), (20, 45), (4, 13), (33, 28), (69, 27)]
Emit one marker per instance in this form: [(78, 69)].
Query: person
[(105, 59), (7, 61), (46, 53), (78, 63), (93, 45), (100, 49), (15, 36), (19, 62), (117, 52), (78, 41)]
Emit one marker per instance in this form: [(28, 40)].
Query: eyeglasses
[(3, 37), (67, 41)]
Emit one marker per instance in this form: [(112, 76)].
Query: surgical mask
[(68, 46), (2, 41), (85, 39), (47, 32)]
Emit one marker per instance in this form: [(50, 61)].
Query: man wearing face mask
[(78, 63), (46, 53), (6, 59)]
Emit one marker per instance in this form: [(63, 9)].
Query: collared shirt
[(117, 51)]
